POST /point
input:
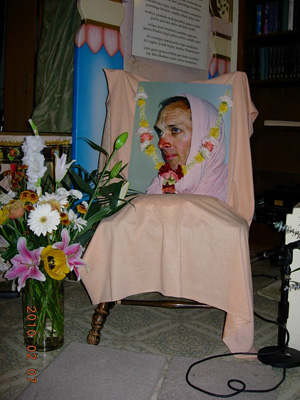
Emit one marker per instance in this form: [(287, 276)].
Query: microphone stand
[(281, 356)]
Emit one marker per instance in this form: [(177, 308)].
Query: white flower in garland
[(226, 99), (43, 219)]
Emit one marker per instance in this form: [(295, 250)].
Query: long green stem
[(94, 195), (45, 297)]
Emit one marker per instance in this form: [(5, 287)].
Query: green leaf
[(96, 218), (95, 146), (116, 195), (79, 183)]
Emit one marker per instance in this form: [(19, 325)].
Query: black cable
[(229, 383), (242, 389)]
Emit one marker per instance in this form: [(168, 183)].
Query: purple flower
[(73, 252), (25, 264)]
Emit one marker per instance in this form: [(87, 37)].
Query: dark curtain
[(55, 66)]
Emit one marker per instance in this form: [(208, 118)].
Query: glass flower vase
[(43, 314)]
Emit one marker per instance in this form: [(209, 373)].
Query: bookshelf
[(271, 59), (273, 40)]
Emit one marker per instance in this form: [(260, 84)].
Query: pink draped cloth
[(209, 177), (190, 246)]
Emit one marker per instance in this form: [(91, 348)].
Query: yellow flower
[(29, 196), (64, 216), (3, 215), (144, 123), (184, 169), (65, 222), (55, 263), (223, 108), (214, 132), (199, 158), (141, 102), (81, 209), (150, 150), (158, 165)]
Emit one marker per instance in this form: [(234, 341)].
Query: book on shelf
[(273, 122), (280, 61), (291, 15), (276, 16)]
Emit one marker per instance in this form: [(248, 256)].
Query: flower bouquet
[(45, 222)]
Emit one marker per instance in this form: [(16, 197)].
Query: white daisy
[(85, 204), (43, 219), (76, 194), (78, 222), (63, 192), (61, 198)]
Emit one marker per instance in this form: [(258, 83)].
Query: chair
[(200, 257)]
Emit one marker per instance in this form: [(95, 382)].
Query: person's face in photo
[(174, 129)]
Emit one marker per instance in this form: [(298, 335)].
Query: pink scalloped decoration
[(227, 66), (212, 68), (121, 46), (221, 66), (80, 37), (94, 37), (111, 42)]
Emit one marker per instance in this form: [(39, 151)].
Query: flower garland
[(170, 176)]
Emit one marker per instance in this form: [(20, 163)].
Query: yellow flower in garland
[(214, 132), (55, 263), (144, 123), (158, 165), (184, 169), (199, 158), (223, 108), (150, 150), (141, 102)]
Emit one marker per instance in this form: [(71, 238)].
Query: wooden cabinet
[(22, 27), (272, 63)]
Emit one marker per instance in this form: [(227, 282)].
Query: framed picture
[(204, 102)]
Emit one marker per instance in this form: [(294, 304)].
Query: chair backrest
[(121, 106)]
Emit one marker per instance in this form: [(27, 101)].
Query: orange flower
[(28, 207), (81, 209), (22, 167), (65, 222), (29, 196), (64, 218)]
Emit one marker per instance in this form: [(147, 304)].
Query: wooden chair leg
[(98, 320)]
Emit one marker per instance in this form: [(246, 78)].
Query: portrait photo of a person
[(182, 124), (185, 137)]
